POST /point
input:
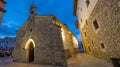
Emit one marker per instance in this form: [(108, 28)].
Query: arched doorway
[(30, 45), (31, 52)]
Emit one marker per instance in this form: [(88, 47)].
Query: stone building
[(7, 42), (2, 10), (99, 23), (6, 46), (44, 40)]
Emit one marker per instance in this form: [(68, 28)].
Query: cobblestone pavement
[(81, 60), (84, 60), (7, 62)]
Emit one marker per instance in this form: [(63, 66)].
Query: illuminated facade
[(2, 10), (99, 23), (44, 40)]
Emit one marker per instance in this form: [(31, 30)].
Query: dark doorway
[(31, 52)]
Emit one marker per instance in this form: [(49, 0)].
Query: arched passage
[(30, 45)]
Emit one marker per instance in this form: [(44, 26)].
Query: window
[(87, 2), (102, 45), (89, 48), (30, 30), (92, 43), (86, 22), (85, 34), (81, 20), (95, 23)]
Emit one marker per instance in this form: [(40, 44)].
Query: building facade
[(99, 24), (7, 42), (6, 46), (44, 40), (2, 10)]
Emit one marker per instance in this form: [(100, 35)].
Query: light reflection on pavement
[(81, 60), (7, 62)]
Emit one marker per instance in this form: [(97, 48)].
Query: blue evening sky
[(18, 12)]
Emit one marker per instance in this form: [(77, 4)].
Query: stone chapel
[(44, 40)]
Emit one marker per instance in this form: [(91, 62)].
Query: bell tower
[(31, 19), (33, 9)]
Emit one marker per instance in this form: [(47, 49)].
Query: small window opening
[(30, 30), (86, 22), (95, 23), (87, 2), (85, 34), (92, 43), (102, 45), (89, 48)]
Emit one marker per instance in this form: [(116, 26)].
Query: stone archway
[(30, 45), (31, 52)]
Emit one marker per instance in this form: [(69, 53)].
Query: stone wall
[(50, 46), (68, 44), (48, 42), (103, 42), (69, 40), (47, 36)]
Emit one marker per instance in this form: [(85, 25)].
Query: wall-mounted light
[(63, 34)]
